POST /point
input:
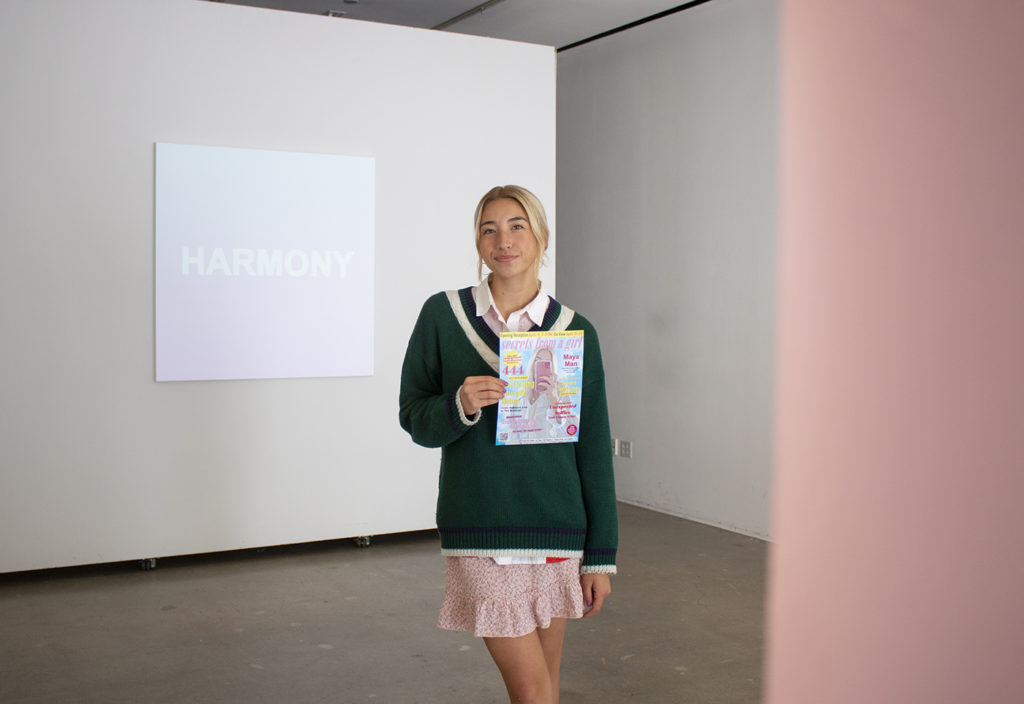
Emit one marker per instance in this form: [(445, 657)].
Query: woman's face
[(507, 245)]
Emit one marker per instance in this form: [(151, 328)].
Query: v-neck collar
[(480, 335)]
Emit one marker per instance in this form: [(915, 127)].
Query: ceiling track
[(467, 14), (637, 23)]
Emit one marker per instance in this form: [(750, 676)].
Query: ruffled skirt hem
[(507, 601)]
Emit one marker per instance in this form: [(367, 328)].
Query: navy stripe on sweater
[(475, 530), (484, 331)]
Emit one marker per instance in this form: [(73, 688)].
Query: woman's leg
[(551, 639), (530, 664)]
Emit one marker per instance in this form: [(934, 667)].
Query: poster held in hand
[(544, 371)]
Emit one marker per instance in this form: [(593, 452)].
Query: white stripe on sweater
[(488, 355), (478, 343)]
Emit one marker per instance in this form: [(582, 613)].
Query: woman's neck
[(511, 295)]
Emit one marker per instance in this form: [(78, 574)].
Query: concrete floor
[(328, 622)]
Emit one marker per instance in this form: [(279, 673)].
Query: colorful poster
[(544, 371)]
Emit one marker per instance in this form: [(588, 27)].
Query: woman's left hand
[(596, 587)]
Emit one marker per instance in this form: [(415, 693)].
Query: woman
[(529, 531)]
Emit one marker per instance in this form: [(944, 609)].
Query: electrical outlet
[(625, 448)]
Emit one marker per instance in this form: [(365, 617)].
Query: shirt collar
[(535, 309)]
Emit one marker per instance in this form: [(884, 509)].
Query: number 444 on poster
[(544, 371)]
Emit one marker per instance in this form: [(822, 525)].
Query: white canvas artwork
[(264, 264)]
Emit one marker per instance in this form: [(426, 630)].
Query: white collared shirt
[(518, 321)]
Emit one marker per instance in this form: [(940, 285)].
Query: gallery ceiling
[(553, 22)]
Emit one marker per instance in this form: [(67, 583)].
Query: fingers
[(596, 588), (480, 391), (596, 602)]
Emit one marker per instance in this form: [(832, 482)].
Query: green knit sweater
[(554, 500)]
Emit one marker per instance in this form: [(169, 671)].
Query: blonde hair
[(534, 214)]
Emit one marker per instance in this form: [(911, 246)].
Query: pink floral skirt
[(506, 601)]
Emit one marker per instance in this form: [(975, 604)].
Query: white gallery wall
[(667, 157), (98, 462)]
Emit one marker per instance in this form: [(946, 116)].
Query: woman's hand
[(480, 391), (596, 587), (543, 386)]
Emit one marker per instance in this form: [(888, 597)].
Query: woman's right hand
[(480, 391)]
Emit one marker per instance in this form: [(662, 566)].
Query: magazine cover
[(544, 371)]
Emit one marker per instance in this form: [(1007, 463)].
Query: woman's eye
[(517, 226)]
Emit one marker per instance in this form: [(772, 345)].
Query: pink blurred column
[(898, 570)]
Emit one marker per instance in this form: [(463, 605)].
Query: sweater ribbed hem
[(540, 539), (469, 552), (566, 554), (526, 541)]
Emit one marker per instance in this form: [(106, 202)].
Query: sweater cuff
[(462, 413), (598, 569)]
